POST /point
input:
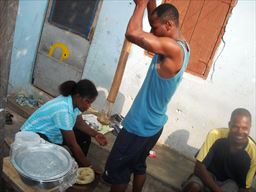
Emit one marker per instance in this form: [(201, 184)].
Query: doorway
[(65, 41)]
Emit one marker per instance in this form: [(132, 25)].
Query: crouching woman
[(59, 120)]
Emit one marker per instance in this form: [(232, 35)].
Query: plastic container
[(25, 138), (53, 166)]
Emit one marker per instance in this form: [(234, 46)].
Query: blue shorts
[(128, 156)]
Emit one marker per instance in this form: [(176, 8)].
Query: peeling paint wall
[(200, 105), (106, 47), (28, 27)]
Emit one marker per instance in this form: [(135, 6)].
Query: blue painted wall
[(30, 19), (106, 45), (108, 40)]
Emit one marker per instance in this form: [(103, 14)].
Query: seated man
[(227, 160)]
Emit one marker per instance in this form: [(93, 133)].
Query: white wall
[(200, 105)]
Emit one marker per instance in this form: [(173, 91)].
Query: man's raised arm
[(150, 7)]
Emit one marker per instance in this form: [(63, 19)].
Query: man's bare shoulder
[(171, 48)]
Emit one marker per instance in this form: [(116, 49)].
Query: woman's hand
[(70, 140), (101, 139)]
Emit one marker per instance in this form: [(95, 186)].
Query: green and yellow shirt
[(215, 154)]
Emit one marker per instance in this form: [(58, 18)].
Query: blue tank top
[(147, 114)]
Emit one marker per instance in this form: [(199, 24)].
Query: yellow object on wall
[(64, 53)]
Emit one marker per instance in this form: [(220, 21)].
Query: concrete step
[(23, 111)]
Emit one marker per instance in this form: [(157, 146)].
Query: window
[(74, 15), (203, 23)]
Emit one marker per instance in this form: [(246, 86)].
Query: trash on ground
[(24, 100)]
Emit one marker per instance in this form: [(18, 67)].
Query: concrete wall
[(28, 28), (198, 105), (106, 47)]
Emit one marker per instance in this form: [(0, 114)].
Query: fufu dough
[(85, 175)]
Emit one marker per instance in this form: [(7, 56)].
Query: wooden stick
[(119, 71)]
